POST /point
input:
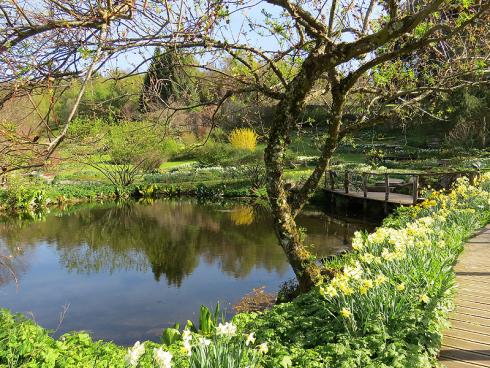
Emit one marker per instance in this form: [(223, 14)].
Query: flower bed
[(385, 307)]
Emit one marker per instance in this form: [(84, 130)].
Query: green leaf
[(170, 335)]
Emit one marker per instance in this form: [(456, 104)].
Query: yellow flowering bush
[(243, 138)]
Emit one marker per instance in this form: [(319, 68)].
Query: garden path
[(467, 343)]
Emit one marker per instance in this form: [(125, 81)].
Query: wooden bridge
[(467, 343), (384, 190)]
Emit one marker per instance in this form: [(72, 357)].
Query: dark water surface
[(126, 271)]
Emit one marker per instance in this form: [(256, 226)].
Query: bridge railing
[(413, 183)]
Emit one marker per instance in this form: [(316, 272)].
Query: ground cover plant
[(385, 305)]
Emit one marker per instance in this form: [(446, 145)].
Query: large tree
[(359, 57)]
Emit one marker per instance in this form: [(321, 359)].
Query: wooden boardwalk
[(467, 343), (395, 198)]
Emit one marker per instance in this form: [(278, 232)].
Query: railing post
[(364, 184), (415, 189), (346, 182), (332, 180), (387, 187)]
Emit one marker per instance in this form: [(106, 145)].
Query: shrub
[(188, 138), (375, 156), (25, 344), (132, 148), (215, 154), (25, 198), (243, 138)]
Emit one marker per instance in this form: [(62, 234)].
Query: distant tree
[(468, 112), (167, 79), (109, 97)]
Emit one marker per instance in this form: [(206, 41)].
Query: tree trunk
[(483, 133), (302, 262), (284, 205)]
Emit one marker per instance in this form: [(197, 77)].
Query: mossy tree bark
[(286, 205)]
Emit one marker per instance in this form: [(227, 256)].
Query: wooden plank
[(468, 297), (468, 336), (470, 319), (377, 196), (332, 180), (468, 326), (364, 185), (450, 363), (415, 189), (387, 187), (473, 312), (473, 305), (478, 292), (465, 277), (456, 342), (467, 343), (473, 280), (476, 358)]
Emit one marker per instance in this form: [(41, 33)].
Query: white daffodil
[(263, 348), (186, 335), (357, 241), (354, 271), (134, 354), (227, 329), (186, 338), (204, 342), (162, 358), (250, 339)]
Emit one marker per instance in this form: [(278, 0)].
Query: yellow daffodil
[(345, 312), (330, 291), (380, 279), (424, 299), (400, 287)]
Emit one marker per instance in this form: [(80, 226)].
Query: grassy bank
[(386, 306), (40, 196)]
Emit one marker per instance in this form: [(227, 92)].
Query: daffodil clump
[(388, 301), (223, 346)]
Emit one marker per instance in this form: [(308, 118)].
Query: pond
[(125, 271)]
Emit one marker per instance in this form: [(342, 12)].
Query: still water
[(126, 271)]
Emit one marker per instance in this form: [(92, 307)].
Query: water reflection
[(194, 254)]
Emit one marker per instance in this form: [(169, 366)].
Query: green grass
[(352, 157), (175, 164)]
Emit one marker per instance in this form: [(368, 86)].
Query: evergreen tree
[(168, 78)]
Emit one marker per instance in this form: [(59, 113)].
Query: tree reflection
[(12, 266), (170, 238)]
